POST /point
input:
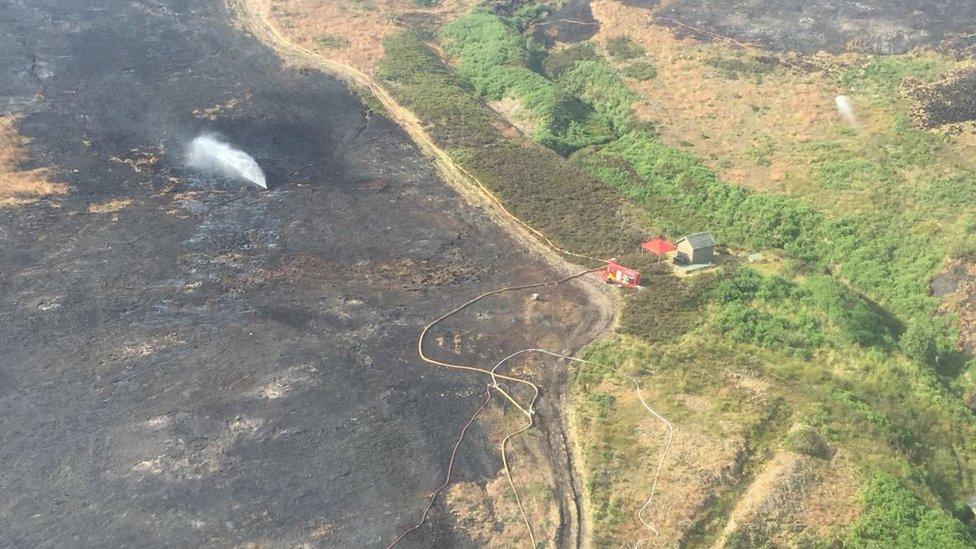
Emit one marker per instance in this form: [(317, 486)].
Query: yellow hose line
[(508, 475), (504, 445), (495, 376), (258, 23)]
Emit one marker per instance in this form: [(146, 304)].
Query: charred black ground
[(213, 363), (873, 26), (949, 101), (572, 22)]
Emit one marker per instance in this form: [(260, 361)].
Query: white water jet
[(210, 154), (846, 110)]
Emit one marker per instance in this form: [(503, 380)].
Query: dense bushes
[(599, 85), (667, 308), (776, 313), (560, 199), (895, 517), (499, 62), (640, 70), (623, 48), (587, 105), (484, 43), (859, 320), (561, 60), (797, 334), (880, 256)]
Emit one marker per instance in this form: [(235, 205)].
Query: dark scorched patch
[(872, 26), (213, 364)]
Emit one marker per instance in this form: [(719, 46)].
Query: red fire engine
[(616, 273)]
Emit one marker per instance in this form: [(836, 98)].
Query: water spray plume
[(846, 110), (209, 154)]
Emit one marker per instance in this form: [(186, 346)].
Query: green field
[(838, 322)]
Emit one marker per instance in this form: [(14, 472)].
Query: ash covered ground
[(872, 26), (217, 364)]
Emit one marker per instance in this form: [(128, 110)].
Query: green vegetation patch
[(561, 60), (847, 173), (499, 62), (895, 517), (735, 64), (623, 48), (558, 198), (640, 70), (667, 307), (599, 85), (882, 76), (332, 41), (832, 335)]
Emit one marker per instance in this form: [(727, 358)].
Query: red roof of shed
[(658, 246)]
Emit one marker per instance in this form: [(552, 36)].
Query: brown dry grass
[(720, 118), (795, 498), (834, 502), (703, 459), (962, 300), (697, 466), (489, 514), (364, 23), (110, 206), (512, 110), (231, 103), (17, 186)]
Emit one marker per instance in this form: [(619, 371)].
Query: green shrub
[(797, 335), (744, 285), (560, 199), (894, 517), (484, 42), (737, 64), (841, 174), (599, 85), (859, 320), (667, 307), (883, 75), (954, 191), (926, 341), (498, 62), (623, 48), (526, 14), (640, 70), (603, 403), (332, 41)]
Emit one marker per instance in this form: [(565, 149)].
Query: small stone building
[(696, 249)]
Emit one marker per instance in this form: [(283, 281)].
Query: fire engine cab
[(616, 273)]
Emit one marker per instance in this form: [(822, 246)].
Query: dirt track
[(231, 366)]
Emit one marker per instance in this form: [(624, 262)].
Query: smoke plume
[(846, 110), (210, 154)]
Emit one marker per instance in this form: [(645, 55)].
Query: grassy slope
[(880, 394)]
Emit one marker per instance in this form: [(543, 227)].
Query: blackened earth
[(212, 363), (870, 26)]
